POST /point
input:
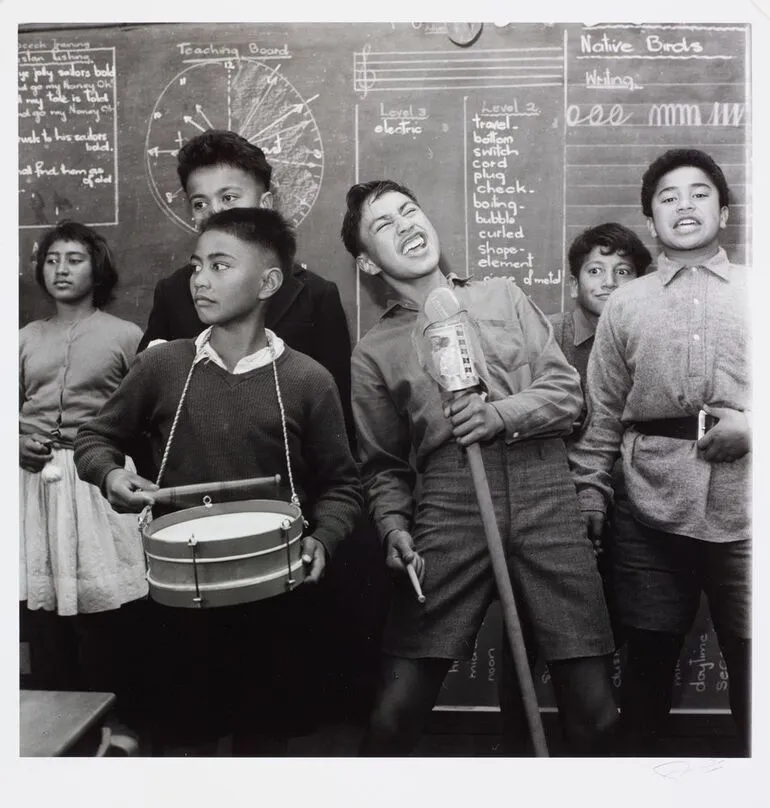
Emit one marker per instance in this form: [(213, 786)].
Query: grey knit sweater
[(230, 428)]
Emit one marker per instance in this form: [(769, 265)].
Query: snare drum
[(223, 554)]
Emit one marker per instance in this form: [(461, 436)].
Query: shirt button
[(695, 269), (695, 300), (695, 337)]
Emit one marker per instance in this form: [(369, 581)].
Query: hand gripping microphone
[(454, 358)]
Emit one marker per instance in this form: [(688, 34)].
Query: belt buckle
[(701, 423), (706, 421)]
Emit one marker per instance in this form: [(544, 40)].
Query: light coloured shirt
[(258, 359), (667, 344), (68, 371), (398, 408)]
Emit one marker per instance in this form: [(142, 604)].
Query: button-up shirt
[(398, 407), (667, 344)]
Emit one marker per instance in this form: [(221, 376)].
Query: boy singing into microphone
[(532, 400), (250, 406)]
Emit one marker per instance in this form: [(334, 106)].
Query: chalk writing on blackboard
[(67, 135), (506, 201), (434, 28), (248, 97), (401, 121), (512, 120), (632, 91), (700, 676), (677, 114)]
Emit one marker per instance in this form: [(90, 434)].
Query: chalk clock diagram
[(250, 98)]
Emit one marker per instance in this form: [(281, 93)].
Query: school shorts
[(551, 562), (658, 577)]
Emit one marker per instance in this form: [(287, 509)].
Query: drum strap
[(294, 497), (146, 514)]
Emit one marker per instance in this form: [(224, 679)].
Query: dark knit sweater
[(230, 428)]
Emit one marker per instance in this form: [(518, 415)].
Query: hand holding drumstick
[(314, 559), (415, 582), (400, 555)]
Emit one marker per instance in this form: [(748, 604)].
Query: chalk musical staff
[(382, 71), (364, 79)]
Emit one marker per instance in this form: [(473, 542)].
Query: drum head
[(220, 526)]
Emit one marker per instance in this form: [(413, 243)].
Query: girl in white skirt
[(82, 570)]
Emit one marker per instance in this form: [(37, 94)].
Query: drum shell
[(229, 571)]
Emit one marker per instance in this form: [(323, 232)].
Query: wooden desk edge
[(86, 715)]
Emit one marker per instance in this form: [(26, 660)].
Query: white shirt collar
[(258, 359)]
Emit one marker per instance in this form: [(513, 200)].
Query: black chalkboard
[(513, 144)]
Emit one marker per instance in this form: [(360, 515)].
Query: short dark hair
[(610, 237), (261, 226), (676, 158), (103, 271), (357, 195), (222, 147)]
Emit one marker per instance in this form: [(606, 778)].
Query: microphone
[(441, 304), (449, 341)]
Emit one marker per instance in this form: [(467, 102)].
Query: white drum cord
[(146, 515)]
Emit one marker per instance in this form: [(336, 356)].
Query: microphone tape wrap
[(449, 343)]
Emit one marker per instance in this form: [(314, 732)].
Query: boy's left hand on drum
[(314, 557)]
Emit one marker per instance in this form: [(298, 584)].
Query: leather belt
[(681, 428)]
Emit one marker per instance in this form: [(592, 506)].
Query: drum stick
[(415, 582), (183, 493)]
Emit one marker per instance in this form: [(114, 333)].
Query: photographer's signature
[(676, 769)]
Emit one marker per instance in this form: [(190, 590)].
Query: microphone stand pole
[(510, 613), (452, 366)]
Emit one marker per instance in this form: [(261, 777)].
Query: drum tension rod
[(192, 543), (285, 527)]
